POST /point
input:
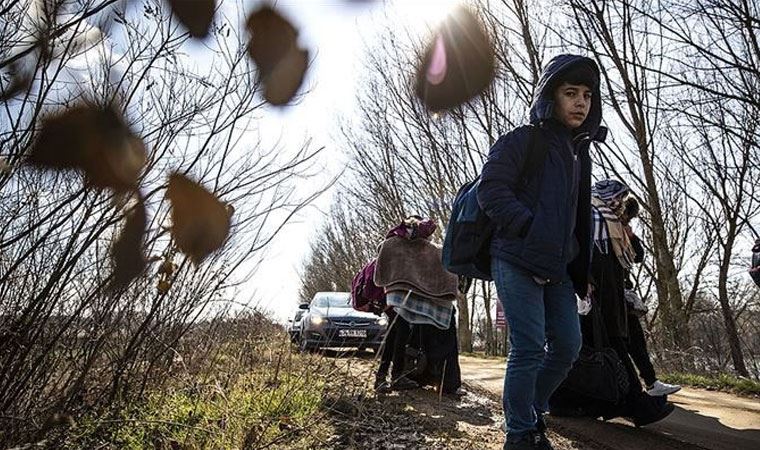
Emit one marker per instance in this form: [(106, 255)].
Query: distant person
[(422, 294), (541, 247), (754, 270)]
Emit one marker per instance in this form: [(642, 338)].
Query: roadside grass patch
[(721, 382), (277, 406)]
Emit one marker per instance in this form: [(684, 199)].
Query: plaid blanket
[(419, 310)]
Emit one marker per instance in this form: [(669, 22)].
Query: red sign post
[(501, 322)]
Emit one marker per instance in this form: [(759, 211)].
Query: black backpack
[(468, 233)]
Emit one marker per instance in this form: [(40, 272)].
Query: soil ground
[(702, 419)]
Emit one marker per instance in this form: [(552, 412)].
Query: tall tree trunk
[(673, 317), (631, 102), (725, 307)]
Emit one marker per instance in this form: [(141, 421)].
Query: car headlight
[(383, 321), (317, 320)]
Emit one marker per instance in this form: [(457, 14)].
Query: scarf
[(607, 201), (413, 227)]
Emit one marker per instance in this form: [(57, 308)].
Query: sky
[(335, 31)]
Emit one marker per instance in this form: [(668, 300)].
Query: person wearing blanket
[(420, 290)]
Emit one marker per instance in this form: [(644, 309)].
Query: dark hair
[(582, 74), (630, 208)]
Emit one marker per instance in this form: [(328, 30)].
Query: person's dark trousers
[(637, 348), (389, 343), (402, 330)]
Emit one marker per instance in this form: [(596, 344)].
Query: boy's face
[(572, 104)]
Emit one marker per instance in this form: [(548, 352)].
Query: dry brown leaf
[(281, 63), (92, 139), (458, 64), (163, 286), (286, 78), (167, 267), (195, 15), (200, 222), (127, 251), (4, 166)]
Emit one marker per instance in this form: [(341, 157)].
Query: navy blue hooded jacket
[(541, 226)]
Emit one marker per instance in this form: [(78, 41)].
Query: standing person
[(615, 251), (541, 247), (637, 345)]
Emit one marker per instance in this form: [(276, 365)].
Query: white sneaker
[(659, 388)]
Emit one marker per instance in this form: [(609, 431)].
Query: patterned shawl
[(607, 200)]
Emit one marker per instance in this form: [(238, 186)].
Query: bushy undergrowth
[(244, 388)]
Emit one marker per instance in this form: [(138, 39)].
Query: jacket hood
[(543, 101)]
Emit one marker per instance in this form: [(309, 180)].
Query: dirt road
[(702, 419)]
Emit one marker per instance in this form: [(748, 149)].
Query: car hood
[(343, 312)]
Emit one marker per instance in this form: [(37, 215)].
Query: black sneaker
[(534, 440), (403, 384), (541, 441), (540, 423), (382, 385), (459, 393)]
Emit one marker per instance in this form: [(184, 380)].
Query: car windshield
[(332, 301)]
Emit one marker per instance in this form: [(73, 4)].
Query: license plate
[(352, 333)]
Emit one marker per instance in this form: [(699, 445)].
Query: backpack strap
[(537, 150)]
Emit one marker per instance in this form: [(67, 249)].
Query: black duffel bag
[(598, 373)]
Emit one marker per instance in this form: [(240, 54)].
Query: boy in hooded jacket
[(541, 247)]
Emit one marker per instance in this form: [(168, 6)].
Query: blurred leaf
[(200, 222), (458, 64), (167, 267), (4, 166), (21, 81), (274, 48), (286, 78), (163, 286), (195, 15), (92, 139), (127, 251)]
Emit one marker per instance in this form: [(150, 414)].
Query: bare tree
[(66, 344)]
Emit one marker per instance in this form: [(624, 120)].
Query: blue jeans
[(545, 338)]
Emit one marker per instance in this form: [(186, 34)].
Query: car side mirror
[(303, 306)]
